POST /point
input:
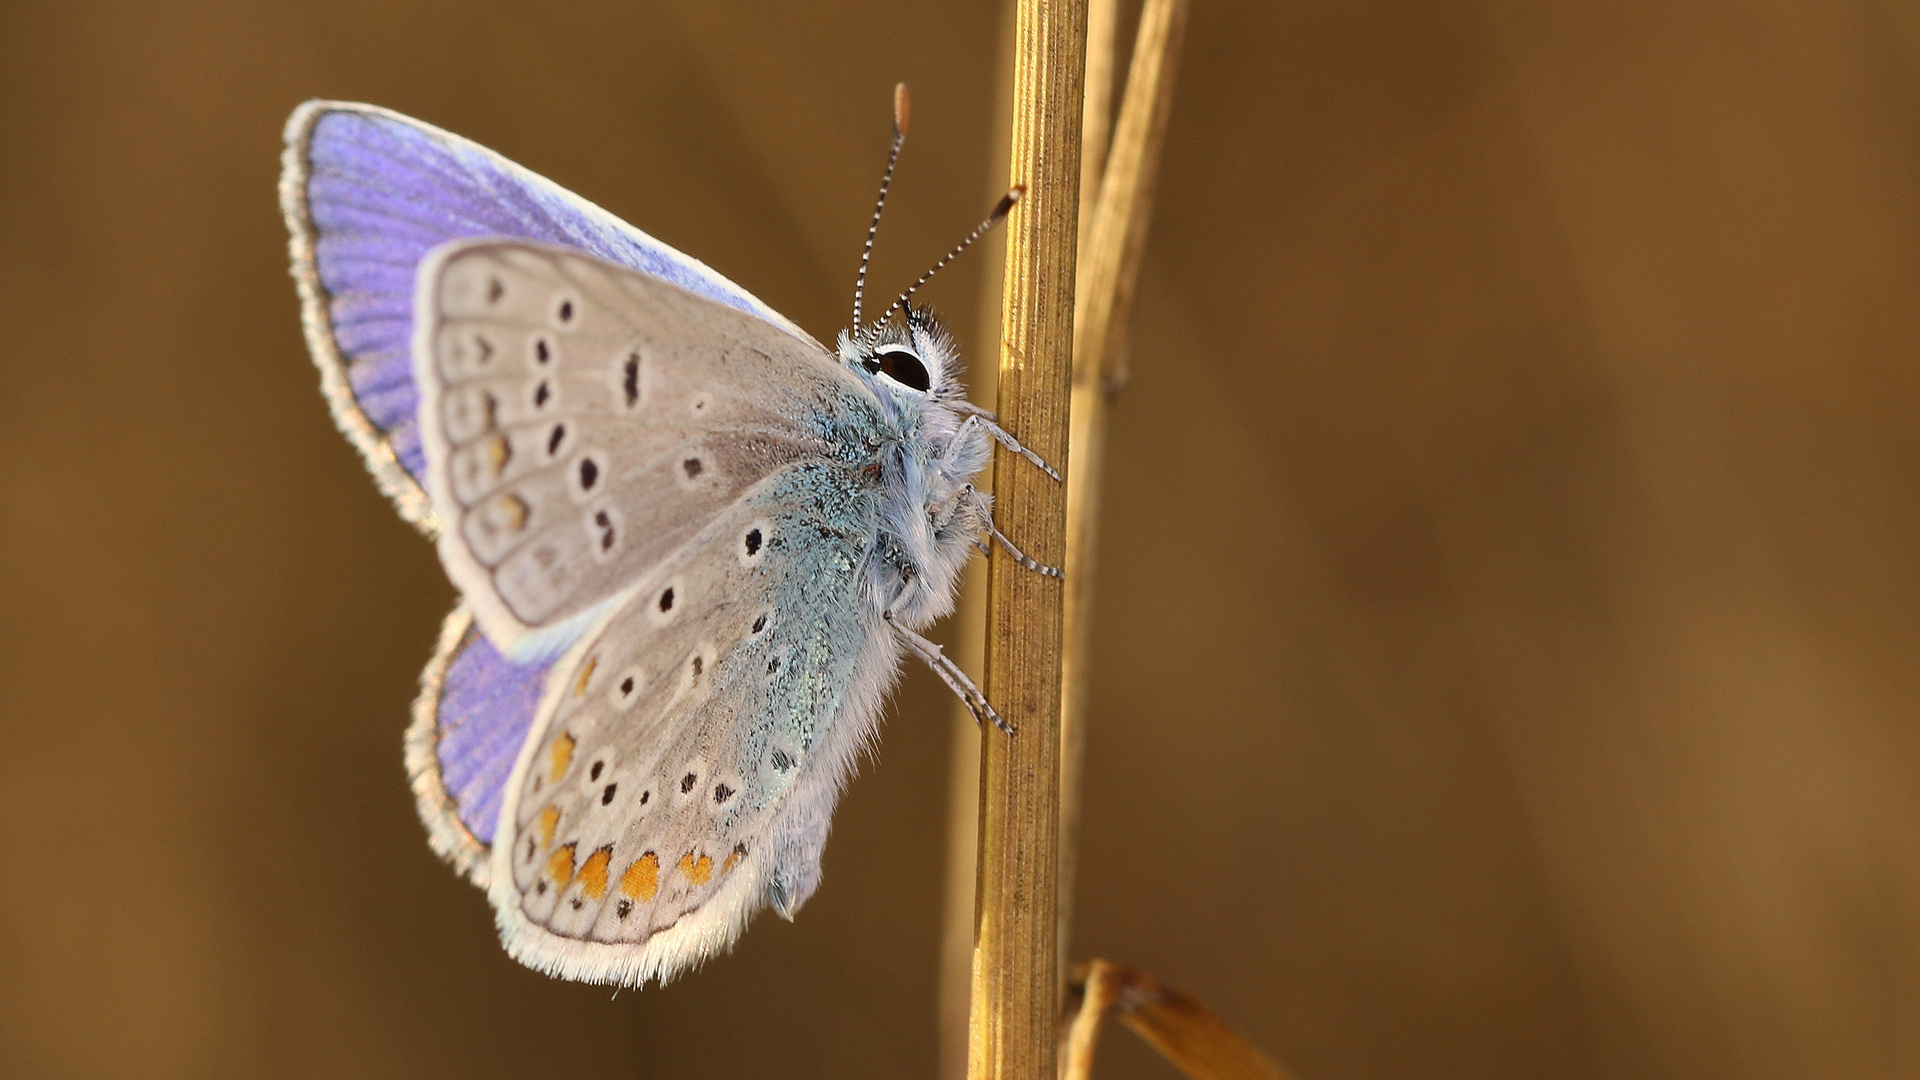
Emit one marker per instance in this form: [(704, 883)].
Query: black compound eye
[(902, 366)]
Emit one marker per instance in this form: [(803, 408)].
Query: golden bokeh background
[(1509, 641)]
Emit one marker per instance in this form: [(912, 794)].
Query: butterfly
[(692, 543)]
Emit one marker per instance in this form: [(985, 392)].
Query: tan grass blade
[(1180, 1028), (1108, 270), (1016, 977)]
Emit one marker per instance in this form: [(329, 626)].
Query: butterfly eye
[(902, 366)]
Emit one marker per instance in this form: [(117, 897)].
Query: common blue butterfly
[(692, 542)]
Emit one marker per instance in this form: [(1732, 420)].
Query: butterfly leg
[(968, 408), (976, 414), (980, 503), (949, 673)]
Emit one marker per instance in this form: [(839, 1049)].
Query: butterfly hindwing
[(469, 722), (582, 422), (689, 750), (367, 193)]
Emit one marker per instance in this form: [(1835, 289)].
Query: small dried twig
[(1096, 115), (1103, 18), (969, 633), (1109, 269), (1117, 236), (1182, 1029), (1110, 237), (1016, 978), (1093, 983)]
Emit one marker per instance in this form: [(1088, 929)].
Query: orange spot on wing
[(549, 821), (562, 755), (509, 512), (697, 870), (642, 879), (560, 867), (739, 852), (586, 675), (593, 876)]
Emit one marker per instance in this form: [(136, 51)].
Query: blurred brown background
[(1510, 641)]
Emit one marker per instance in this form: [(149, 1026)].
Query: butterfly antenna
[(886, 178), (1000, 211)]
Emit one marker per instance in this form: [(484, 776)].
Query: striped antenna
[(886, 178), (1000, 211)]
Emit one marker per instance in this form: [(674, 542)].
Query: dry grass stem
[(1180, 1028), (969, 634), (1016, 983), (1096, 990), (1103, 18), (1096, 114), (1109, 267), (1111, 231), (1117, 236)]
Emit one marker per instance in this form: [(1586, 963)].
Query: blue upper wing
[(367, 194), (474, 710)]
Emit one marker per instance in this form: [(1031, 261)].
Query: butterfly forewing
[(684, 764), (583, 422), (367, 193)]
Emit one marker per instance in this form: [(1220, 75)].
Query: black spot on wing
[(630, 379)]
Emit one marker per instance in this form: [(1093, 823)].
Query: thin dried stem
[(1182, 1029), (1110, 239), (1109, 269), (1103, 18), (1097, 991), (969, 633), (1016, 978), (1117, 237), (1096, 116)]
